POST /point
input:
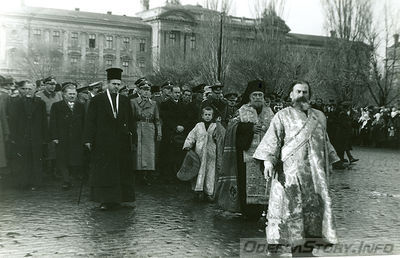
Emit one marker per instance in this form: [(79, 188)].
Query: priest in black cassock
[(109, 134)]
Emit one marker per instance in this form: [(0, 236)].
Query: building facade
[(78, 46), (72, 45)]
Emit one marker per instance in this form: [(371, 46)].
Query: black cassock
[(66, 126), (28, 134), (111, 168)]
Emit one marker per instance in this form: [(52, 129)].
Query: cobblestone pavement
[(166, 221)]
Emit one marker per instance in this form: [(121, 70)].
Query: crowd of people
[(242, 151)]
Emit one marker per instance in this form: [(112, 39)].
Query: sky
[(302, 16)]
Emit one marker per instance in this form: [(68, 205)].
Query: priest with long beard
[(297, 158)]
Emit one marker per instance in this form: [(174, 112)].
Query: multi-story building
[(76, 45), (72, 45)]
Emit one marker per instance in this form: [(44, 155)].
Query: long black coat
[(111, 168), (66, 126), (28, 134)]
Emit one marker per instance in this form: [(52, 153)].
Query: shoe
[(345, 160), (352, 160), (104, 207)]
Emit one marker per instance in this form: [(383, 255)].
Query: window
[(141, 63), (126, 42), (74, 39), (172, 37), (142, 45), (37, 32), (109, 42), (125, 64), (92, 41), (193, 41), (74, 60), (56, 36), (109, 62)]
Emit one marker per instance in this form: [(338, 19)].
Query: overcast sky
[(302, 16)]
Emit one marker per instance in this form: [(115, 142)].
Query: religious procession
[(210, 128), (233, 149)]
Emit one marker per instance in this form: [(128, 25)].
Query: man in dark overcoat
[(108, 133), (173, 130), (66, 129), (28, 133)]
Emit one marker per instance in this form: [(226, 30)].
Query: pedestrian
[(297, 156), (28, 136), (66, 127), (215, 98), (108, 133), (148, 129), (49, 95), (206, 138), (241, 186), (173, 131), (231, 108), (4, 129)]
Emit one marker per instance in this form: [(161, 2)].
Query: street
[(166, 221)]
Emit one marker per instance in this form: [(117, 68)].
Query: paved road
[(166, 221)]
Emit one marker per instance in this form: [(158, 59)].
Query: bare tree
[(40, 60), (350, 19), (383, 85), (347, 56)]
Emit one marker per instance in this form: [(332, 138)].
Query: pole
[(220, 48)]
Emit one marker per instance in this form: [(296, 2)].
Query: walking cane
[(80, 189), (83, 177)]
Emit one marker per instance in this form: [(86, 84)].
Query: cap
[(114, 73), (138, 81), (145, 85), (217, 85), (82, 88), (167, 83), (231, 95), (48, 79), (95, 85)]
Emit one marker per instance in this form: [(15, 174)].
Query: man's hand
[(268, 169), (55, 141), (88, 145), (257, 129), (159, 137), (180, 128), (186, 149)]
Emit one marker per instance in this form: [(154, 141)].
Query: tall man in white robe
[(299, 202)]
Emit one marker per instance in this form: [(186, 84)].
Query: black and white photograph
[(200, 128)]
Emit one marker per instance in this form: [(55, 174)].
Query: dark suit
[(66, 126), (172, 114), (28, 133), (111, 170)]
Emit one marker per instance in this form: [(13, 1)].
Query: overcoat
[(4, 130), (28, 134), (66, 126), (111, 175)]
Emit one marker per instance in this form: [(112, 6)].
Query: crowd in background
[(346, 124)]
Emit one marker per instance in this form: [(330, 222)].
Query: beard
[(302, 103)]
